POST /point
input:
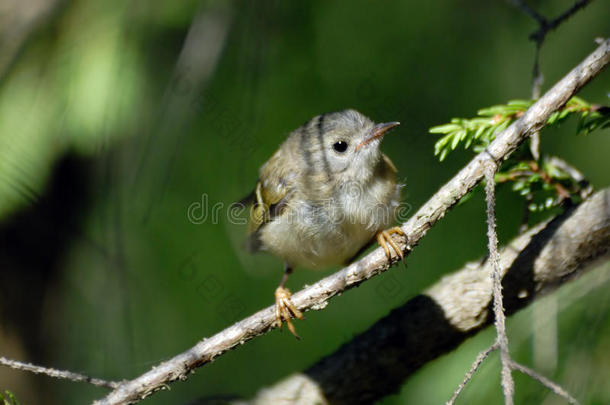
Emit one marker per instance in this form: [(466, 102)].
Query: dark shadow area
[(376, 363), (519, 285), (33, 243)]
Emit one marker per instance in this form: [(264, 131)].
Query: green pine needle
[(542, 184), (478, 132), (8, 398)]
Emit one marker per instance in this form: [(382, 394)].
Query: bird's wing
[(270, 196)]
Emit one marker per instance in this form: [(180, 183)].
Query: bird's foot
[(285, 310), (385, 240)]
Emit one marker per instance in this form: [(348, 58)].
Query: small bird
[(323, 197)]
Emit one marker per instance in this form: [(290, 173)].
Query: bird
[(324, 196)]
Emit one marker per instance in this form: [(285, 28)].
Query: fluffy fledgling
[(324, 195)]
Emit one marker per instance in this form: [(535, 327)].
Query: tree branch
[(52, 372), (508, 384), (545, 26), (475, 366), (501, 343), (376, 363), (545, 381), (317, 295)]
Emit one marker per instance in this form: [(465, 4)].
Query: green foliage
[(8, 398), (543, 186), (478, 132), (544, 183)]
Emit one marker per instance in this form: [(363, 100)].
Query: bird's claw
[(385, 240), (285, 310)]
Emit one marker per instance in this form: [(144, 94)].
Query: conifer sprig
[(478, 132), (543, 183)]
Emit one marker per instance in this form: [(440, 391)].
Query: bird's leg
[(284, 308), (385, 240)]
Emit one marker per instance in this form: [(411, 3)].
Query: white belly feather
[(332, 232)]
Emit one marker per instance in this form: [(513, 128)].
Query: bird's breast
[(328, 232)]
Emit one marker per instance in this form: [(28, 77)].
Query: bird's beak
[(379, 130)]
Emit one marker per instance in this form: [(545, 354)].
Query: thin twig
[(475, 366), (585, 188), (538, 79), (557, 389), (547, 26), (525, 217), (544, 27), (52, 372), (529, 11), (508, 385), (561, 191), (318, 294)]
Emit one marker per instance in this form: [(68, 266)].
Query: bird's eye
[(340, 146)]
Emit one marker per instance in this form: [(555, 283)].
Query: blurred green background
[(118, 119)]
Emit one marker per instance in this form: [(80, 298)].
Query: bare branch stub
[(475, 366), (558, 390), (62, 374)]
